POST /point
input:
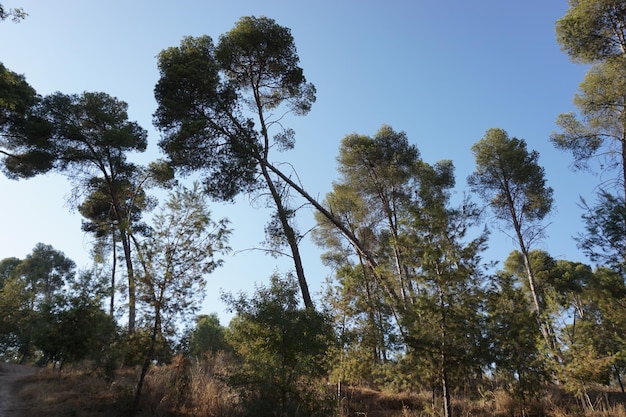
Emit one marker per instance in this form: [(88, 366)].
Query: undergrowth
[(199, 388)]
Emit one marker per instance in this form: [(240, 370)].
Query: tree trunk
[(618, 376), (113, 268), (544, 324), (290, 235), (445, 388), (623, 143), (131, 281), (146, 364), (123, 225), (447, 406)]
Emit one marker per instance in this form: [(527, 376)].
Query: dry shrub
[(462, 406), (159, 395), (209, 395), (560, 403), (505, 405), (190, 388), (617, 410)]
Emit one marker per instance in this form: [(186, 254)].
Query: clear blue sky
[(443, 72)]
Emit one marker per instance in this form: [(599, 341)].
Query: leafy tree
[(390, 164), (367, 333), (563, 291), (220, 122), (379, 176), (362, 316), (509, 178), (209, 336), (514, 338), (87, 137), (444, 324), (72, 326), (598, 133), (544, 268), (175, 257), (606, 322), (27, 286), (368, 296), (604, 243), (101, 222), (427, 270), (584, 307), (593, 30), (23, 152), (593, 337), (554, 301), (282, 346), (16, 309), (8, 268), (605, 239), (46, 270)]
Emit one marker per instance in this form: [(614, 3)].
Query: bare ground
[(10, 374)]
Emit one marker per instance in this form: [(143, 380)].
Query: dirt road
[(9, 375)]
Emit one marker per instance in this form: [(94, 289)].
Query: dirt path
[(9, 375)]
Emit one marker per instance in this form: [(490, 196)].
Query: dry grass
[(367, 402), (182, 389), (362, 402), (75, 392), (198, 389)]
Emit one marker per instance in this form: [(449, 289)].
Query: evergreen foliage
[(410, 303)]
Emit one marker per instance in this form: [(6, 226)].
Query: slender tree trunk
[(447, 405), (146, 364), (623, 143), (397, 253), (618, 376), (131, 281), (113, 270), (445, 388), (290, 235), (371, 315), (433, 394), (390, 212), (544, 325), (157, 302), (524, 249), (123, 225), (530, 275)]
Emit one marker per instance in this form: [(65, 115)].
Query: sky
[(443, 72)]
